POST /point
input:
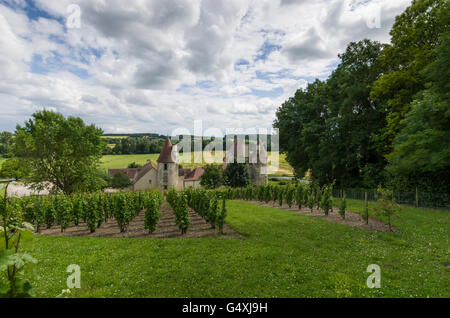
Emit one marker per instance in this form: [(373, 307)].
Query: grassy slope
[(283, 255), (122, 161)]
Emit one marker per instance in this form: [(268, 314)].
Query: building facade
[(166, 173)]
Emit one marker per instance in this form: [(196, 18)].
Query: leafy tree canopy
[(415, 35), (61, 151), (212, 177), (237, 175)]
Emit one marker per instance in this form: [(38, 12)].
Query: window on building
[(165, 178), (150, 181), (165, 187), (165, 166)]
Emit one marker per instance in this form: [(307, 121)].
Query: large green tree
[(414, 37), (237, 175), (330, 128), (421, 156), (64, 152), (6, 143), (212, 178)]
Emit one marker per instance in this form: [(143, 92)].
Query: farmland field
[(282, 254), (122, 161)]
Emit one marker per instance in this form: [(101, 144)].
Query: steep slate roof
[(144, 170), (134, 173), (129, 172), (184, 172), (166, 153)]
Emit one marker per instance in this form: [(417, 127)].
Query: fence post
[(366, 208), (417, 197)]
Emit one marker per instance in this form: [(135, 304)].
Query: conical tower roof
[(166, 153)]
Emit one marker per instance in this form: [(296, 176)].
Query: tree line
[(382, 116)]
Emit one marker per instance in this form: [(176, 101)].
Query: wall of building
[(168, 178), (258, 174), (148, 181)]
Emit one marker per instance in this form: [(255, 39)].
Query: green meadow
[(122, 161)]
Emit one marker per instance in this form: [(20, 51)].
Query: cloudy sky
[(155, 65)]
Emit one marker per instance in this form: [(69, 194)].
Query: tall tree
[(414, 36), (6, 143), (329, 128), (421, 156), (237, 175), (62, 151)]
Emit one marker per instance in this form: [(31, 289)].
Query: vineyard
[(278, 234), (125, 214), (312, 200), (111, 214)]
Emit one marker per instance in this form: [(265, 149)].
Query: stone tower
[(167, 167), (260, 167)]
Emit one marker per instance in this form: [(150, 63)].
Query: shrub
[(387, 207), (300, 195), (123, 211), (290, 192), (63, 212), (311, 200), (49, 212), (221, 216), (152, 212), (77, 210), (13, 262), (120, 181), (236, 175), (212, 178), (90, 213), (213, 210), (343, 206), (326, 199), (280, 193)]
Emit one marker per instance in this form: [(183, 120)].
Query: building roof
[(166, 153), (134, 173), (129, 172), (144, 170), (195, 174), (184, 172)]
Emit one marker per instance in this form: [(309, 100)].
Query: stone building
[(164, 175)]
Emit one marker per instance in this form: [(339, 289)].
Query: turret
[(167, 167)]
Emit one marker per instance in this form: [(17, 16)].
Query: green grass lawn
[(283, 254), (122, 161)]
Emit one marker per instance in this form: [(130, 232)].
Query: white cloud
[(150, 66)]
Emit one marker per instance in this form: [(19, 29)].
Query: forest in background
[(382, 117)]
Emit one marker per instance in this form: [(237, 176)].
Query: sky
[(154, 66)]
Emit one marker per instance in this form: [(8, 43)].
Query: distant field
[(122, 161)]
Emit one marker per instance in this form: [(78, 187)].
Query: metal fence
[(416, 198)]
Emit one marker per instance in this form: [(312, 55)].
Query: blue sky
[(153, 66)]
